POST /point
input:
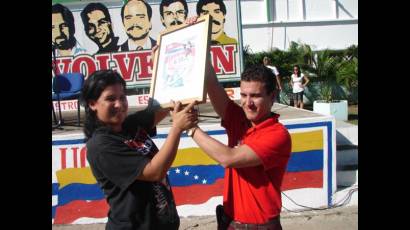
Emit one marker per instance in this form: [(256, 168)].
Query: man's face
[(136, 22), (174, 14), (218, 18), (255, 102), (99, 28), (60, 33)]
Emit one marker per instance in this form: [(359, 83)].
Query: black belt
[(273, 224)]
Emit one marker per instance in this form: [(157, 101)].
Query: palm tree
[(324, 68), (347, 75)]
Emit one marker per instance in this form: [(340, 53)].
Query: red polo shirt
[(252, 194)]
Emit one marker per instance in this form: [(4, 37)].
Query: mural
[(217, 9), (121, 37), (196, 179), (98, 27), (62, 32)]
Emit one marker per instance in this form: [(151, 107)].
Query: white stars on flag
[(184, 175)]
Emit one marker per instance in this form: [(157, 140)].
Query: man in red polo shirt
[(257, 154)]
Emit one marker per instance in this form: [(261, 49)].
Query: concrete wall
[(269, 24), (197, 180)]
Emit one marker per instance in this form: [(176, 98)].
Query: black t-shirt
[(116, 159)]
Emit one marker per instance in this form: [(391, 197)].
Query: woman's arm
[(306, 80), (157, 168)]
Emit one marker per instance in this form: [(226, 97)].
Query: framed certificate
[(180, 62)]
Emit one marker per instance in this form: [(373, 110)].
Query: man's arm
[(279, 82), (216, 92), (238, 157)]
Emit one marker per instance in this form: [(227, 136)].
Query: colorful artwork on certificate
[(179, 60)]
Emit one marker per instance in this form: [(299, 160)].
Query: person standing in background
[(298, 87), (267, 63)]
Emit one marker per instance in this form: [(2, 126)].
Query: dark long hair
[(299, 73), (92, 89)]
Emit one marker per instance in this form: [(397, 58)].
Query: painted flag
[(78, 195), (196, 179)]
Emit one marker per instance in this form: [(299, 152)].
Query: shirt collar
[(271, 120)]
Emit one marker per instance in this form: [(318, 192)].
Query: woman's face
[(111, 107), (295, 70)]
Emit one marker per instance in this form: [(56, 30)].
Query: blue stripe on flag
[(53, 212), (306, 161), (54, 188), (77, 191)]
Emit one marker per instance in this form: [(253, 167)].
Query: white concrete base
[(337, 109)]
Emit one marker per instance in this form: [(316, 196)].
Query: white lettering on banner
[(69, 105), (134, 100)]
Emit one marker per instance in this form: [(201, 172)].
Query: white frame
[(180, 64)]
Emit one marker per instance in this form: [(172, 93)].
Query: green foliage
[(329, 71)]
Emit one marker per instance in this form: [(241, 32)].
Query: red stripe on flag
[(70, 212), (83, 157), (306, 179), (197, 194), (63, 158), (75, 156)]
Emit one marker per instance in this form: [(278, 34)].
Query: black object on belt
[(273, 224)]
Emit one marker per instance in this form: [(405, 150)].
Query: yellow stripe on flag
[(192, 156), (306, 141), (75, 175)]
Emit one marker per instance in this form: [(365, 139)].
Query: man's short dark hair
[(92, 7), (205, 2), (262, 74), (169, 2), (149, 9), (67, 16)]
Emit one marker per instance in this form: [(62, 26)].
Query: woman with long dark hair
[(129, 168), (298, 87)]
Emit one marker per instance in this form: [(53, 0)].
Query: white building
[(268, 24)]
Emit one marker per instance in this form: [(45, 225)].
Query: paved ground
[(342, 218)]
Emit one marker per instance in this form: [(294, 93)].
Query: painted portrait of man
[(217, 9), (62, 32), (136, 18), (173, 12), (98, 27)]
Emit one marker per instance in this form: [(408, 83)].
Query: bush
[(333, 73)]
